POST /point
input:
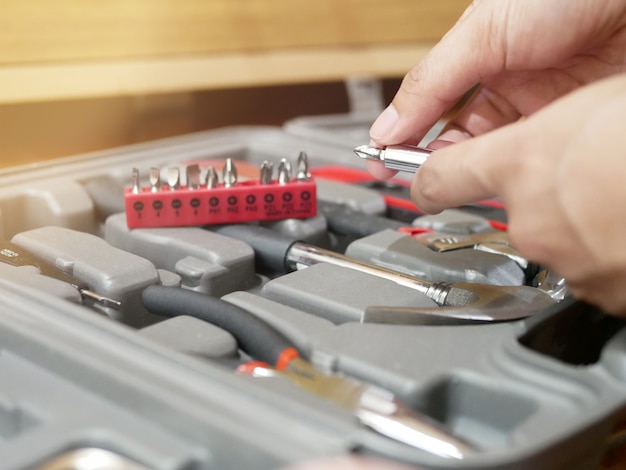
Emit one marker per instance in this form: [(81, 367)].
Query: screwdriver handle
[(256, 337), (270, 247)]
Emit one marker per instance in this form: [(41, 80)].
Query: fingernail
[(384, 124)]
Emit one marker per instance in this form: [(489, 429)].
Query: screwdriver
[(408, 158), (396, 157), (15, 255), (374, 407)]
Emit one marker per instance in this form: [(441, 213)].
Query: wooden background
[(80, 75)]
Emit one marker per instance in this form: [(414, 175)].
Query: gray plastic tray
[(156, 391)]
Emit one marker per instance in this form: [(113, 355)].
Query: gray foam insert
[(339, 294)]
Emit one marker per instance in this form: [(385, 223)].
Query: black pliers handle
[(376, 408), (255, 337)]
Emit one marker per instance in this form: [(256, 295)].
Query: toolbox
[(103, 362)]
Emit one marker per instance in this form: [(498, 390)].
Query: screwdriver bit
[(173, 178), (302, 173), (136, 183), (284, 171), (396, 157), (229, 173), (193, 176), (267, 172), (155, 180), (211, 179)]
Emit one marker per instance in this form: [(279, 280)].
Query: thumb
[(452, 67), (468, 171)]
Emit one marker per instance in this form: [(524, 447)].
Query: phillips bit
[(284, 171), (211, 179), (173, 178), (396, 157), (267, 172), (155, 180), (136, 183), (229, 173), (193, 176), (15, 255), (303, 173)]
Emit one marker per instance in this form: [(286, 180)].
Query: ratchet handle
[(255, 337)]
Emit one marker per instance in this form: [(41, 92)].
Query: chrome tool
[(396, 157)]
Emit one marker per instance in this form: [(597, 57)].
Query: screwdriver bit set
[(307, 311), (230, 201)]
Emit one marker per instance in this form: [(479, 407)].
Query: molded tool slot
[(14, 419), (573, 332), (483, 413)]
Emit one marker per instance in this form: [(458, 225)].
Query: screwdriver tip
[(367, 152), (229, 173)]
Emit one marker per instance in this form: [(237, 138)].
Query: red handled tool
[(374, 407)]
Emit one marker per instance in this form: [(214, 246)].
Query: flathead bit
[(303, 173), (284, 171), (267, 172), (136, 185), (173, 178), (155, 180), (193, 176), (229, 173), (211, 179)]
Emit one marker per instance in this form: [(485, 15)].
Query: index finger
[(463, 57)]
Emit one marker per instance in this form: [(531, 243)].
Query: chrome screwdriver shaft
[(396, 157)]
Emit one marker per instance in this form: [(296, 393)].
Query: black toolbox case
[(140, 391)]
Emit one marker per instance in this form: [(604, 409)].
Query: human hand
[(561, 174), (525, 53)]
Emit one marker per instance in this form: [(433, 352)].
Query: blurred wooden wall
[(81, 75)]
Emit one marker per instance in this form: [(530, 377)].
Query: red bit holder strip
[(226, 202)]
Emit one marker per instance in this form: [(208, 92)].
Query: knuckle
[(426, 190), (413, 80)]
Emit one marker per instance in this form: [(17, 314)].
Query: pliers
[(374, 407), (15, 255)]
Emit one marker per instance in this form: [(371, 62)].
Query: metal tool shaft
[(396, 157), (303, 254), (276, 253)]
